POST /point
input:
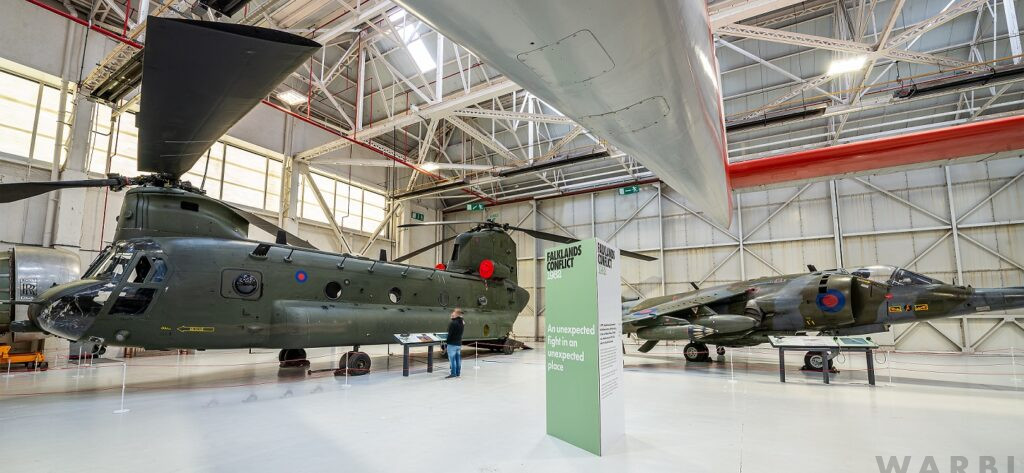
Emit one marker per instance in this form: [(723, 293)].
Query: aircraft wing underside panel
[(641, 75)]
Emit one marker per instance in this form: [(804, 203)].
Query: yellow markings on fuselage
[(193, 329), (895, 309), (920, 307)]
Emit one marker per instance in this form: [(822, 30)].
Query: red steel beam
[(990, 136)]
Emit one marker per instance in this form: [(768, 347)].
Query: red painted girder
[(990, 136)]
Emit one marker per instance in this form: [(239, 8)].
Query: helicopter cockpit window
[(133, 301), (455, 252), (905, 277), (114, 265), (159, 270), (140, 271)]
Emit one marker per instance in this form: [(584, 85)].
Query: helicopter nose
[(68, 311)]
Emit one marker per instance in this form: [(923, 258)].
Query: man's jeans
[(455, 359)]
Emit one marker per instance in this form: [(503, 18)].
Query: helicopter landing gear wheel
[(292, 357), (696, 351), (720, 351), (813, 361), (355, 363), (508, 347)]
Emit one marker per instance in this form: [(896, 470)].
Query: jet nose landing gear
[(813, 361), (696, 351)]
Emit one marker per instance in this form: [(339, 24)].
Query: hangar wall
[(902, 218)]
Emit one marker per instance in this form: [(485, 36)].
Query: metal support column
[(954, 228)]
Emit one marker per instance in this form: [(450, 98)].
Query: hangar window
[(333, 290)]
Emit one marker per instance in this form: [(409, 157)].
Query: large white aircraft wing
[(640, 74)]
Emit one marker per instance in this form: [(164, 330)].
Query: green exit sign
[(629, 190), (475, 206), (418, 216)]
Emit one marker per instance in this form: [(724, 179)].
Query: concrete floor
[(235, 411)]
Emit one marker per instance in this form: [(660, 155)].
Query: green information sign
[(475, 206), (583, 358), (418, 216), (629, 190)]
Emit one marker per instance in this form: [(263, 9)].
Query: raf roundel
[(831, 301), (301, 276)]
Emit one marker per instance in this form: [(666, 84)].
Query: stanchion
[(124, 378), (732, 369), (1013, 363), (889, 359), (346, 385), (476, 355)]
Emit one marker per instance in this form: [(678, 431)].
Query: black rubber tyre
[(720, 351), (812, 361), (695, 351), (31, 366), (358, 363), (292, 357), (508, 347)]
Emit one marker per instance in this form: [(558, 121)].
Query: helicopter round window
[(487, 330), (246, 284), (443, 299), (332, 290), (395, 294)]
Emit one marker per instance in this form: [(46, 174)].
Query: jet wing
[(641, 75), (674, 304)]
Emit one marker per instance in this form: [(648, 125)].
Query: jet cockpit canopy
[(894, 276)]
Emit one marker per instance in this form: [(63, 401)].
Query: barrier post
[(124, 377)]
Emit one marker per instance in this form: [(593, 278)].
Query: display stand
[(825, 346), (582, 339), (413, 340)]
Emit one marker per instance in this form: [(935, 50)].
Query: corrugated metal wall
[(901, 218)]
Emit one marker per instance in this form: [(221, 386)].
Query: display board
[(583, 342), (412, 338)]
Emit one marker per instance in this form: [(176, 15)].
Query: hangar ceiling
[(450, 126)]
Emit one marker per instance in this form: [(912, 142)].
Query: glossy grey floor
[(236, 411)]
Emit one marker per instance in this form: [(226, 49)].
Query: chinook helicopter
[(182, 272), (833, 302)]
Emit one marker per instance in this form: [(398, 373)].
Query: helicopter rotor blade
[(425, 248), (22, 190), (452, 222), (262, 224), (184, 112), (564, 239)]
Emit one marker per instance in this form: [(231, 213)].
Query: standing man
[(454, 341)]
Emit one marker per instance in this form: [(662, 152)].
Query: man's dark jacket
[(455, 328)]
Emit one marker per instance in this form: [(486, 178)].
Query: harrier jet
[(839, 302)]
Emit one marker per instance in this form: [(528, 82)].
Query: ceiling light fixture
[(291, 97), (842, 66), (430, 167)]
